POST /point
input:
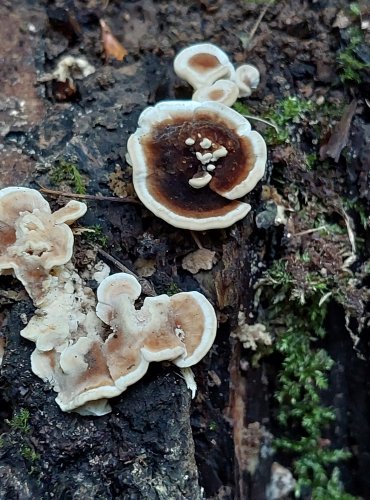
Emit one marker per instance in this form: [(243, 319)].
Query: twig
[(258, 22), (351, 235), (309, 231), (53, 192), (197, 240), (273, 125), (146, 286)]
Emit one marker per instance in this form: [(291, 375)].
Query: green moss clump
[(96, 236), (287, 112), (20, 421), (173, 289), (298, 323), (68, 172), (29, 453), (350, 66)]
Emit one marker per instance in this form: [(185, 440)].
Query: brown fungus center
[(172, 162), (216, 95), (204, 62)]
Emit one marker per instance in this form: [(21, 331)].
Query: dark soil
[(158, 443)]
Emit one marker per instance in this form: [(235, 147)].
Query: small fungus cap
[(202, 64), (223, 91), (178, 140), (247, 78)]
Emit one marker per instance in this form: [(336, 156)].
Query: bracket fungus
[(202, 64), (223, 91), (247, 78), (34, 240), (89, 369), (191, 161), (74, 353)]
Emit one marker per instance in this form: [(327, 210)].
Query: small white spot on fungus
[(206, 143), (204, 158), (189, 141), (199, 181), (219, 153), (211, 167)]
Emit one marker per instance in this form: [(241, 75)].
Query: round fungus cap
[(176, 143), (247, 78), (202, 64), (223, 91)]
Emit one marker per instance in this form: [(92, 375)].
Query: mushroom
[(224, 91), (202, 64), (247, 78), (180, 328), (86, 370), (33, 240), (73, 351), (165, 158)]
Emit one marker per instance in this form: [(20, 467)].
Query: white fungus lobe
[(206, 143), (219, 153), (199, 181)]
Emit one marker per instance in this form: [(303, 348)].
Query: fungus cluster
[(192, 161), (84, 363), (210, 72)]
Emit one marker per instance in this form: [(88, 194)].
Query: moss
[(298, 325), (20, 421), (285, 114), (96, 236), (350, 66), (68, 172), (242, 108), (173, 289), (213, 426), (29, 453)]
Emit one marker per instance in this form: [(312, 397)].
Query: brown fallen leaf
[(112, 47), (339, 137), (200, 259)]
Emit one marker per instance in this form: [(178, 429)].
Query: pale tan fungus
[(223, 91), (74, 352), (32, 239), (202, 64)]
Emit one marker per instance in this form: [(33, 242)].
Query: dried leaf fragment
[(339, 138), (112, 47), (200, 259)]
